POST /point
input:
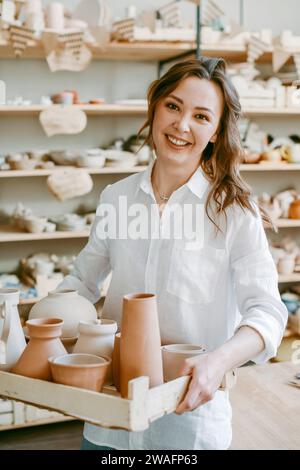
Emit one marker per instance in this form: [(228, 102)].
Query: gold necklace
[(162, 197)]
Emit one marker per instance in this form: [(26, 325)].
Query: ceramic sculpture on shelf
[(140, 345), (67, 305), (12, 340), (44, 342)]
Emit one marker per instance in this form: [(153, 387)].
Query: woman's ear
[(214, 138)]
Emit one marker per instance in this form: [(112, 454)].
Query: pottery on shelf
[(67, 305), (80, 370), (294, 210), (12, 339), (97, 337), (44, 342), (174, 355), (286, 265), (140, 345)]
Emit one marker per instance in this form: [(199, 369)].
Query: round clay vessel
[(140, 345), (80, 370), (174, 355), (116, 362), (294, 210), (67, 305), (44, 342), (97, 337)]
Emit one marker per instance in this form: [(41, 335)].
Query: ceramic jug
[(67, 305), (97, 337), (44, 342), (140, 345), (12, 340)]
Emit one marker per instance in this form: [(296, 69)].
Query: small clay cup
[(80, 370)]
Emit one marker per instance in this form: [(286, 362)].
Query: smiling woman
[(218, 290), (194, 121)]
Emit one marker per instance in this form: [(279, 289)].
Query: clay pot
[(80, 370), (294, 210), (97, 337), (286, 265), (140, 345), (12, 340), (116, 362), (67, 305), (174, 355), (44, 342)]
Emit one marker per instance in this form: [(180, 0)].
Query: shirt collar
[(197, 184)]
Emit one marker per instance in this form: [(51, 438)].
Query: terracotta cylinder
[(44, 342), (140, 345), (116, 362)]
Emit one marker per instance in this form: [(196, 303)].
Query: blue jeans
[(87, 445)]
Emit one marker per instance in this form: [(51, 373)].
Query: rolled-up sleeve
[(92, 265), (256, 283)]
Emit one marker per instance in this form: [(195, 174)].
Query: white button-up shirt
[(205, 291)]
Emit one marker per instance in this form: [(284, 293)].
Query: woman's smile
[(177, 143)]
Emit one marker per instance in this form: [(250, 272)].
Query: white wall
[(112, 80)]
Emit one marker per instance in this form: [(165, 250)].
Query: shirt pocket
[(194, 273)]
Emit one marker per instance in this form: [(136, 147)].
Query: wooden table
[(266, 410)]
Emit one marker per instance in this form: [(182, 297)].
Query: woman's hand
[(207, 371)]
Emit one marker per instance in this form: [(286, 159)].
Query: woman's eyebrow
[(202, 108)]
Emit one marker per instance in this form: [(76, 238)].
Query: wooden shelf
[(91, 171), (269, 167), (271, 111), (287, 223), (89, 109), (139, 51), (110, 171), (37, 422), (293, 277), (130, 110), (12, 234)]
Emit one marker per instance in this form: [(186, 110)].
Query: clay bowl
[(80, 370), (174, 355)]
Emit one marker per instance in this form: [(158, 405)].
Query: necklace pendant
[(163, 197)]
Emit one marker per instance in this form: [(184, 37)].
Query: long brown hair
[(220, 161)]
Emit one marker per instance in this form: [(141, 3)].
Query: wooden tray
[(106, 409)]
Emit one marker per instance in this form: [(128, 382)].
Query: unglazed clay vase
[(116, 362), (67, 305), (140, 345), (12, 339), (174, 355), (44, 342), (80, 370), (97, 337)]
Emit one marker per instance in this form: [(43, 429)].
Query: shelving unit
[(107, 109), (37, 422), (141, 51), (91, 171), (12, 234)]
